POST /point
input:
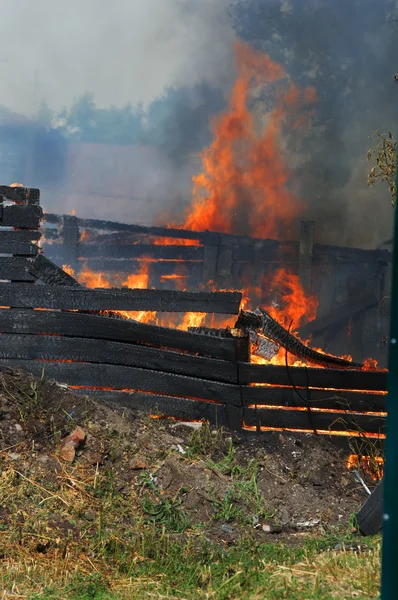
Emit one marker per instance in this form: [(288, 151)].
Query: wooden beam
[(127, 251), (49, 273), (312, 377), (132, 378), (306, 253), (19, 242), (20, 194), (74, 298), (340, 314), (293, 419), (15, 268), (44, 347), (180, 408), (343, 400), (20, 215), (73, 324)]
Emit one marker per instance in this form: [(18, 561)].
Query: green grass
[(158, 567)]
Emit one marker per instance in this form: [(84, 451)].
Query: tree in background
[(384, 155), (176, 122)]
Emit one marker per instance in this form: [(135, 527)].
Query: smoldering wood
[(15, 269), (20, 215), (312, 377), (69, 298), (301, 397), (322, 421), (340, 314), (45, 347), (106, 328), (261, 322), (181, 408), (209, 263), (49, 273), (133, 378)]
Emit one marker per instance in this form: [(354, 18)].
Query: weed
[(166, 513), (204, 441)]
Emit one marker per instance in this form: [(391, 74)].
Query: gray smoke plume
[(124, 51)]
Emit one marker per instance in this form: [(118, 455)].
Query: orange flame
[(242, 188)]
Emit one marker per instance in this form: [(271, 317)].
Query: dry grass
[(104, 553)]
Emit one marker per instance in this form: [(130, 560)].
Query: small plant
[(166, 513), (204, 441), (384, 154)]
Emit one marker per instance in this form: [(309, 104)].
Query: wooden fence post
[(305, 254), (71, 238)]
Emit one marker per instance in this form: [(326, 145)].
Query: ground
[(154, 508)]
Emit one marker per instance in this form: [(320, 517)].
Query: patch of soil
[(276, 479)]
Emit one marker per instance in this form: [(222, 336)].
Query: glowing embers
[(343, 433), (373, 466)]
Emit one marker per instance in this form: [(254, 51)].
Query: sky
[(122, 51)]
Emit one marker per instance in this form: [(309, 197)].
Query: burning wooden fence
[(351, 285), (50, 324)]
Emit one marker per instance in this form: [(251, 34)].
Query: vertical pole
[(389, 586), (305, 254), (71, 238)]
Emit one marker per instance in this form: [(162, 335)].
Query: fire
[(242, 188), (85, 235), (372, 465), (165, 241), (138, 280), (92, 279), (68, 269)]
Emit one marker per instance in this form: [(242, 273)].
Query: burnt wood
[(306, 248), (134, 379), (340, 314), (49, 273), (20, 215), (47, 296), (127, 251), (20, 194), (106, 328), (11, 244), (42, 347), (15, 268), (293, 419), (344, 400), (181, 408), (312, 377)]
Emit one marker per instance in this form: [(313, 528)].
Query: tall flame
[(242, 187)]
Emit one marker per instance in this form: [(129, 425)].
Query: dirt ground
[(164, 471)]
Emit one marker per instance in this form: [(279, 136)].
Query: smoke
[(348, 51), (175, 58), (124, 52)]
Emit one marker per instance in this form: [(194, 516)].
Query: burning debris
[(263, 326)]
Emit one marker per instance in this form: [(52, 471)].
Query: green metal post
[(389, 583)]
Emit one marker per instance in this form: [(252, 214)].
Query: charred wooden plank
[(105, 328), (305, 254), (127, 251), (343, 400), (20, 215), (340, 314), (15, 268), (134, 379), (312, 377), (321, 421), (19, 242), (43, 347), (264, 324), (20, 194), (180, 408), (49, 273), (74, 298)]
